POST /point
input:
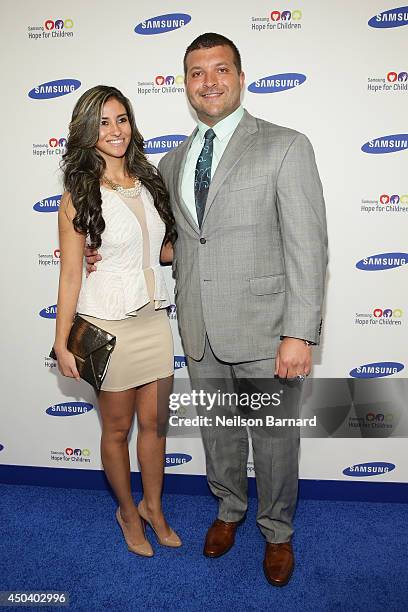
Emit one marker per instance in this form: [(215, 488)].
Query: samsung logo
[(174, 459), (394, 18), (69, 409), (179, 362), (386, 144), (162, 144), (377, 370), (50, 312), (47, 205), (277, 82), (382, 261), (162, 23), (54, 89), (369, 469)]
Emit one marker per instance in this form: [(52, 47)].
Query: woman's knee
[(117, 431), (147, 423)]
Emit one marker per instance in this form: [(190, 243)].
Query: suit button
[(202, 241)]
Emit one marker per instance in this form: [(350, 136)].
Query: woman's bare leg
[(117, 411), (152, 412)]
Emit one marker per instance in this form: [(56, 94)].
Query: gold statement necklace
[(126, 192)]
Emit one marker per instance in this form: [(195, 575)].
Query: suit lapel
[(179, 166), (242, 139)]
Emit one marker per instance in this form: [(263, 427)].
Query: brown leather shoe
[(220, 538), (278, 563)]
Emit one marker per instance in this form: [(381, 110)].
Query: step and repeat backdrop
[(337, 71)]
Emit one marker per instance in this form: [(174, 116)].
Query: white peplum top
[(118, 287)]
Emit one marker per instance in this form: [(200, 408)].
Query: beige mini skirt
[(144, 349), (144, 342)]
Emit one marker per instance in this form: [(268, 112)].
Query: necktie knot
[(209, 135)]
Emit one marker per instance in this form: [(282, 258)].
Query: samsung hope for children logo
[(71, 454), (52, 28), (377, 370), (172, 311), (54, 89), (278, 20), (386, 144), (54, 146), (393, 18), (162, 24), (378, 317), (161, 84), (382, 261), (385, 203), (277, 82), (49, 259), (393, 81)]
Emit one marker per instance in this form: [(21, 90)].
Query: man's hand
[(166, 253), (293, 358), (91, 256)]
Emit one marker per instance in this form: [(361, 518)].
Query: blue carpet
[(349, 556)]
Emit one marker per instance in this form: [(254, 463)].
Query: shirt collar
[(223, 128)]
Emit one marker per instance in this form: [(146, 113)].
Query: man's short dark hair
[(209, 40)]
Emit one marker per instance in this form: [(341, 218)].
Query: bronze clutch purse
[(92, 348)]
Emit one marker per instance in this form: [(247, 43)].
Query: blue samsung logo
[(179, 362), (47, 205), (162, 23), (374, 468), (394, 18), (69, 409), (377, 370), (382, 261), (386, 144), (49, 312), (276, 83), (175, 459), (162, 144), (54, 89)]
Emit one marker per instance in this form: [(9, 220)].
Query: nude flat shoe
[(172, 540), (144, 550)]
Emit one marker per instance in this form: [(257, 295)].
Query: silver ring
[(301, 377)]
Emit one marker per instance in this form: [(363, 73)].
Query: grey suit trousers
[(226, 451)]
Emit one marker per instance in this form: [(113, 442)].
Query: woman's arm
[(166, 253), (72, 247)]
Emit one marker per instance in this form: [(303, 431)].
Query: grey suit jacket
[(256, 269)]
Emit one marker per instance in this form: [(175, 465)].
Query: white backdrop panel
[(341, 58)]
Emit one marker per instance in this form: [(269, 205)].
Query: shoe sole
[(215, 556)]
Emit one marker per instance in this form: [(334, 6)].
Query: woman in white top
[(115, 200)]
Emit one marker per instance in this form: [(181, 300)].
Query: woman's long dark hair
[(83, 167)]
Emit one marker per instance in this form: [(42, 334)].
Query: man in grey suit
[(249, 265)]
